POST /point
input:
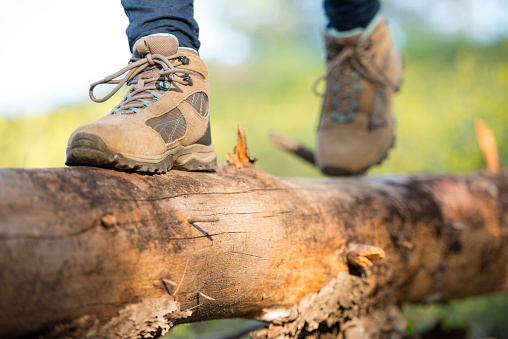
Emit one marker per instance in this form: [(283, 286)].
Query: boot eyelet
[(163, 86), (184, 60), (189, 80), (339, 118)]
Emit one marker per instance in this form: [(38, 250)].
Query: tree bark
[(238, 242)]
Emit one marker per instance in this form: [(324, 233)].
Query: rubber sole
[(341, 171), (90, 150)]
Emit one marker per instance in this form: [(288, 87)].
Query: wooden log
[(238, 242)]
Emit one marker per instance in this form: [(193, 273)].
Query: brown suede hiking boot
[(356, 126), (162, 122)]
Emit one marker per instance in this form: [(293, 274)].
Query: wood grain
[(88, 241)]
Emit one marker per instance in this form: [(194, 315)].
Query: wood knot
[(108, 221), (361, 255)]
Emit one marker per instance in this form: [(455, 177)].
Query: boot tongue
[(165, 45), (351, 40), (334, 45)]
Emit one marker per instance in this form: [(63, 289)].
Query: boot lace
[(149, 77), (351, 63)]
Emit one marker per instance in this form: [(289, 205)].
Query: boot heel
[(196, 158)]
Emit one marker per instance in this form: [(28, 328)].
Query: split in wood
[(293, 147), (241, 157), (488, 146), (361, 255)]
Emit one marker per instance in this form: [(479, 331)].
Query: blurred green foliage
[(483, 317), (448, 84)]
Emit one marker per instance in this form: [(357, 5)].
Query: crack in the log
[(80, 232), (202, 236), (260, 212), (209, 193), (46, 236), (113, 303), (248, 254), (266, 214)]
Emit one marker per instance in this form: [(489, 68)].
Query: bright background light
[(53, 49)]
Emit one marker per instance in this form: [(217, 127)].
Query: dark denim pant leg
[(344, 15), (162, 16)]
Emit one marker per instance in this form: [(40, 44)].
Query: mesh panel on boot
[(199, 101), (171, 126)]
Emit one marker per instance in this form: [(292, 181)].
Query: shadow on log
[(113, 254)]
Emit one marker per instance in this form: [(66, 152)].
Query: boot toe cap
[(125, 137)]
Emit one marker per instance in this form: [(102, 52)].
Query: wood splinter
[(192, 220), (361, 255), (241, 157), (206, 296), (488, 146), (293, 147), (167, 283)]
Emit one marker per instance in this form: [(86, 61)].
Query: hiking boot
[(162, 122), (356, 126)]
